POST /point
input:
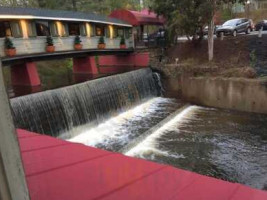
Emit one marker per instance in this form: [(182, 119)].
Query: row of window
[(46, 28)]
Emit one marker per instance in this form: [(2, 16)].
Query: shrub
[(77, 40), (9, 44), (101, 40), (49, 41), (253, 58)]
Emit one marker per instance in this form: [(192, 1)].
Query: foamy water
[(148, 147), (118, 128)]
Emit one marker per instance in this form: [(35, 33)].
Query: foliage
[(49, 41), (253, 58), (101, 40), (227, 14), (77, 40), (100, 6), (122, 42), (55, 73), (9, 44), (189, 17)]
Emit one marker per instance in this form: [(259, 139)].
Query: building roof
[(136, 18), (36, 13)]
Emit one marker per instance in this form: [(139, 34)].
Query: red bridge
[(59, 170)]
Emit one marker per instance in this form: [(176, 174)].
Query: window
[(16, 29), (120, 32), (244, 20), (42, 28), (100, 30), (53, 29), (115, 32), (83, 31), (74, 29), (5, 29), (92, 26), (128, 33), (65, 30), (31, 29)]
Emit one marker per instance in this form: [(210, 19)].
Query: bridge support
[(141, 60), (25, 75), (85, 65), (123, 63)]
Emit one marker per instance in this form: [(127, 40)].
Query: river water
[(223, 144)]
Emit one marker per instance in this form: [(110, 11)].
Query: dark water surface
[(223, 144)]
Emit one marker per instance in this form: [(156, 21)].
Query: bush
[(122, 41), (9, 44), (101, 40), (77, 40), (49, 41), (226, 14)]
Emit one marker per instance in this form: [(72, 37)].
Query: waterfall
[(55, 112)]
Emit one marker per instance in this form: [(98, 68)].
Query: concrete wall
[(237, 94), (38, 44)]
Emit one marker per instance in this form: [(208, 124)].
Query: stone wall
[(233, 93)]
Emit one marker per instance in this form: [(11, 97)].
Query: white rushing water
[(115, 129), (148, 147)]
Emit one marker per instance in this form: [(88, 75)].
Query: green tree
[(213, 6), (100, 6), (190, 16)]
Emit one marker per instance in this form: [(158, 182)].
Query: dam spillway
[(56, 112)]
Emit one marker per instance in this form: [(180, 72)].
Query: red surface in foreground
[(59, 170)]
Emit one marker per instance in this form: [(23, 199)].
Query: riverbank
[(236, 79)]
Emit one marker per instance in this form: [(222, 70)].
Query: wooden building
[(28, 28)]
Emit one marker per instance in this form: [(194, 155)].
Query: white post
[(222, 35), (260, 32), (12, 178)]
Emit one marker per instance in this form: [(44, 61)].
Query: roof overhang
[(60, 19)]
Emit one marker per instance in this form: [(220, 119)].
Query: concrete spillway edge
[(142, 137)]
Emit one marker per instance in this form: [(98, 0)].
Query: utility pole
[(12, 178)]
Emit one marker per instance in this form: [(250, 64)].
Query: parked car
[(206, 29), (261, 24), (235, 26)]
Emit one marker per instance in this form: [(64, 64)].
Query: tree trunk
[(74, 5), (211, 39)]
